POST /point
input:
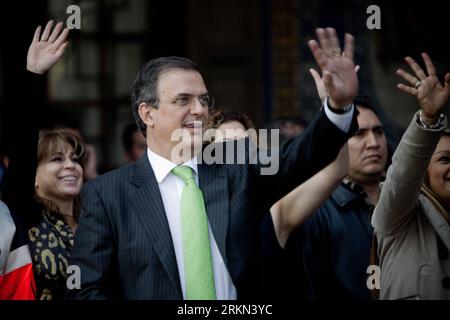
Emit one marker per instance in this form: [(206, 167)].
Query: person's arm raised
[(338, 70), (43, 53), (410, 161), (318, 80), (46, 49)]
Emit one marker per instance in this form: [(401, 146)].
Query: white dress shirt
[(342, 121), (171, 187)]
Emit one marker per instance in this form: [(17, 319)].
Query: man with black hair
[(172, 227), (334, 244)]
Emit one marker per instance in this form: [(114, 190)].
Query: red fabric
[(18, 284)]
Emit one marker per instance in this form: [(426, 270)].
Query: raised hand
[(431, 95), (319, 82), (46, 50), (338, 70)]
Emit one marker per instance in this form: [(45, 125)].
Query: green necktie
[(198, 269)]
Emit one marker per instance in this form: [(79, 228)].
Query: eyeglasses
[(185, 100)]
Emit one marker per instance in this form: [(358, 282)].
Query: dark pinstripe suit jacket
[(123, 244)]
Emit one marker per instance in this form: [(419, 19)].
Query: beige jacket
[(407, 225)]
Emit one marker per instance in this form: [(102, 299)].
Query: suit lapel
[(148, 205), (437, 221), (213, 183)]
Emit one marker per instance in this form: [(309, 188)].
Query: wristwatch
[(335, 110), (439, 123)]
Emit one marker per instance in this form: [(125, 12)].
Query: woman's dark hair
[(220, 117)]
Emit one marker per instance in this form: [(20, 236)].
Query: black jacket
[(123, 244)]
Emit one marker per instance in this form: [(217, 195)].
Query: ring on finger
[(417, 85)]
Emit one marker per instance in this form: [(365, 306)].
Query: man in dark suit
[(131, 242)]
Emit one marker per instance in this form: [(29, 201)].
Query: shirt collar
[(354, 187), (347, 192), (162, 167), (350, 191)]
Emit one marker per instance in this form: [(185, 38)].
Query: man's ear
[(146, 114)]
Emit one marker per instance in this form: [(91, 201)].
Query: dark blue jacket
[(334, 245)]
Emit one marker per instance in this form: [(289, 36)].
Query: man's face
[(183, 108), (367, 148)]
